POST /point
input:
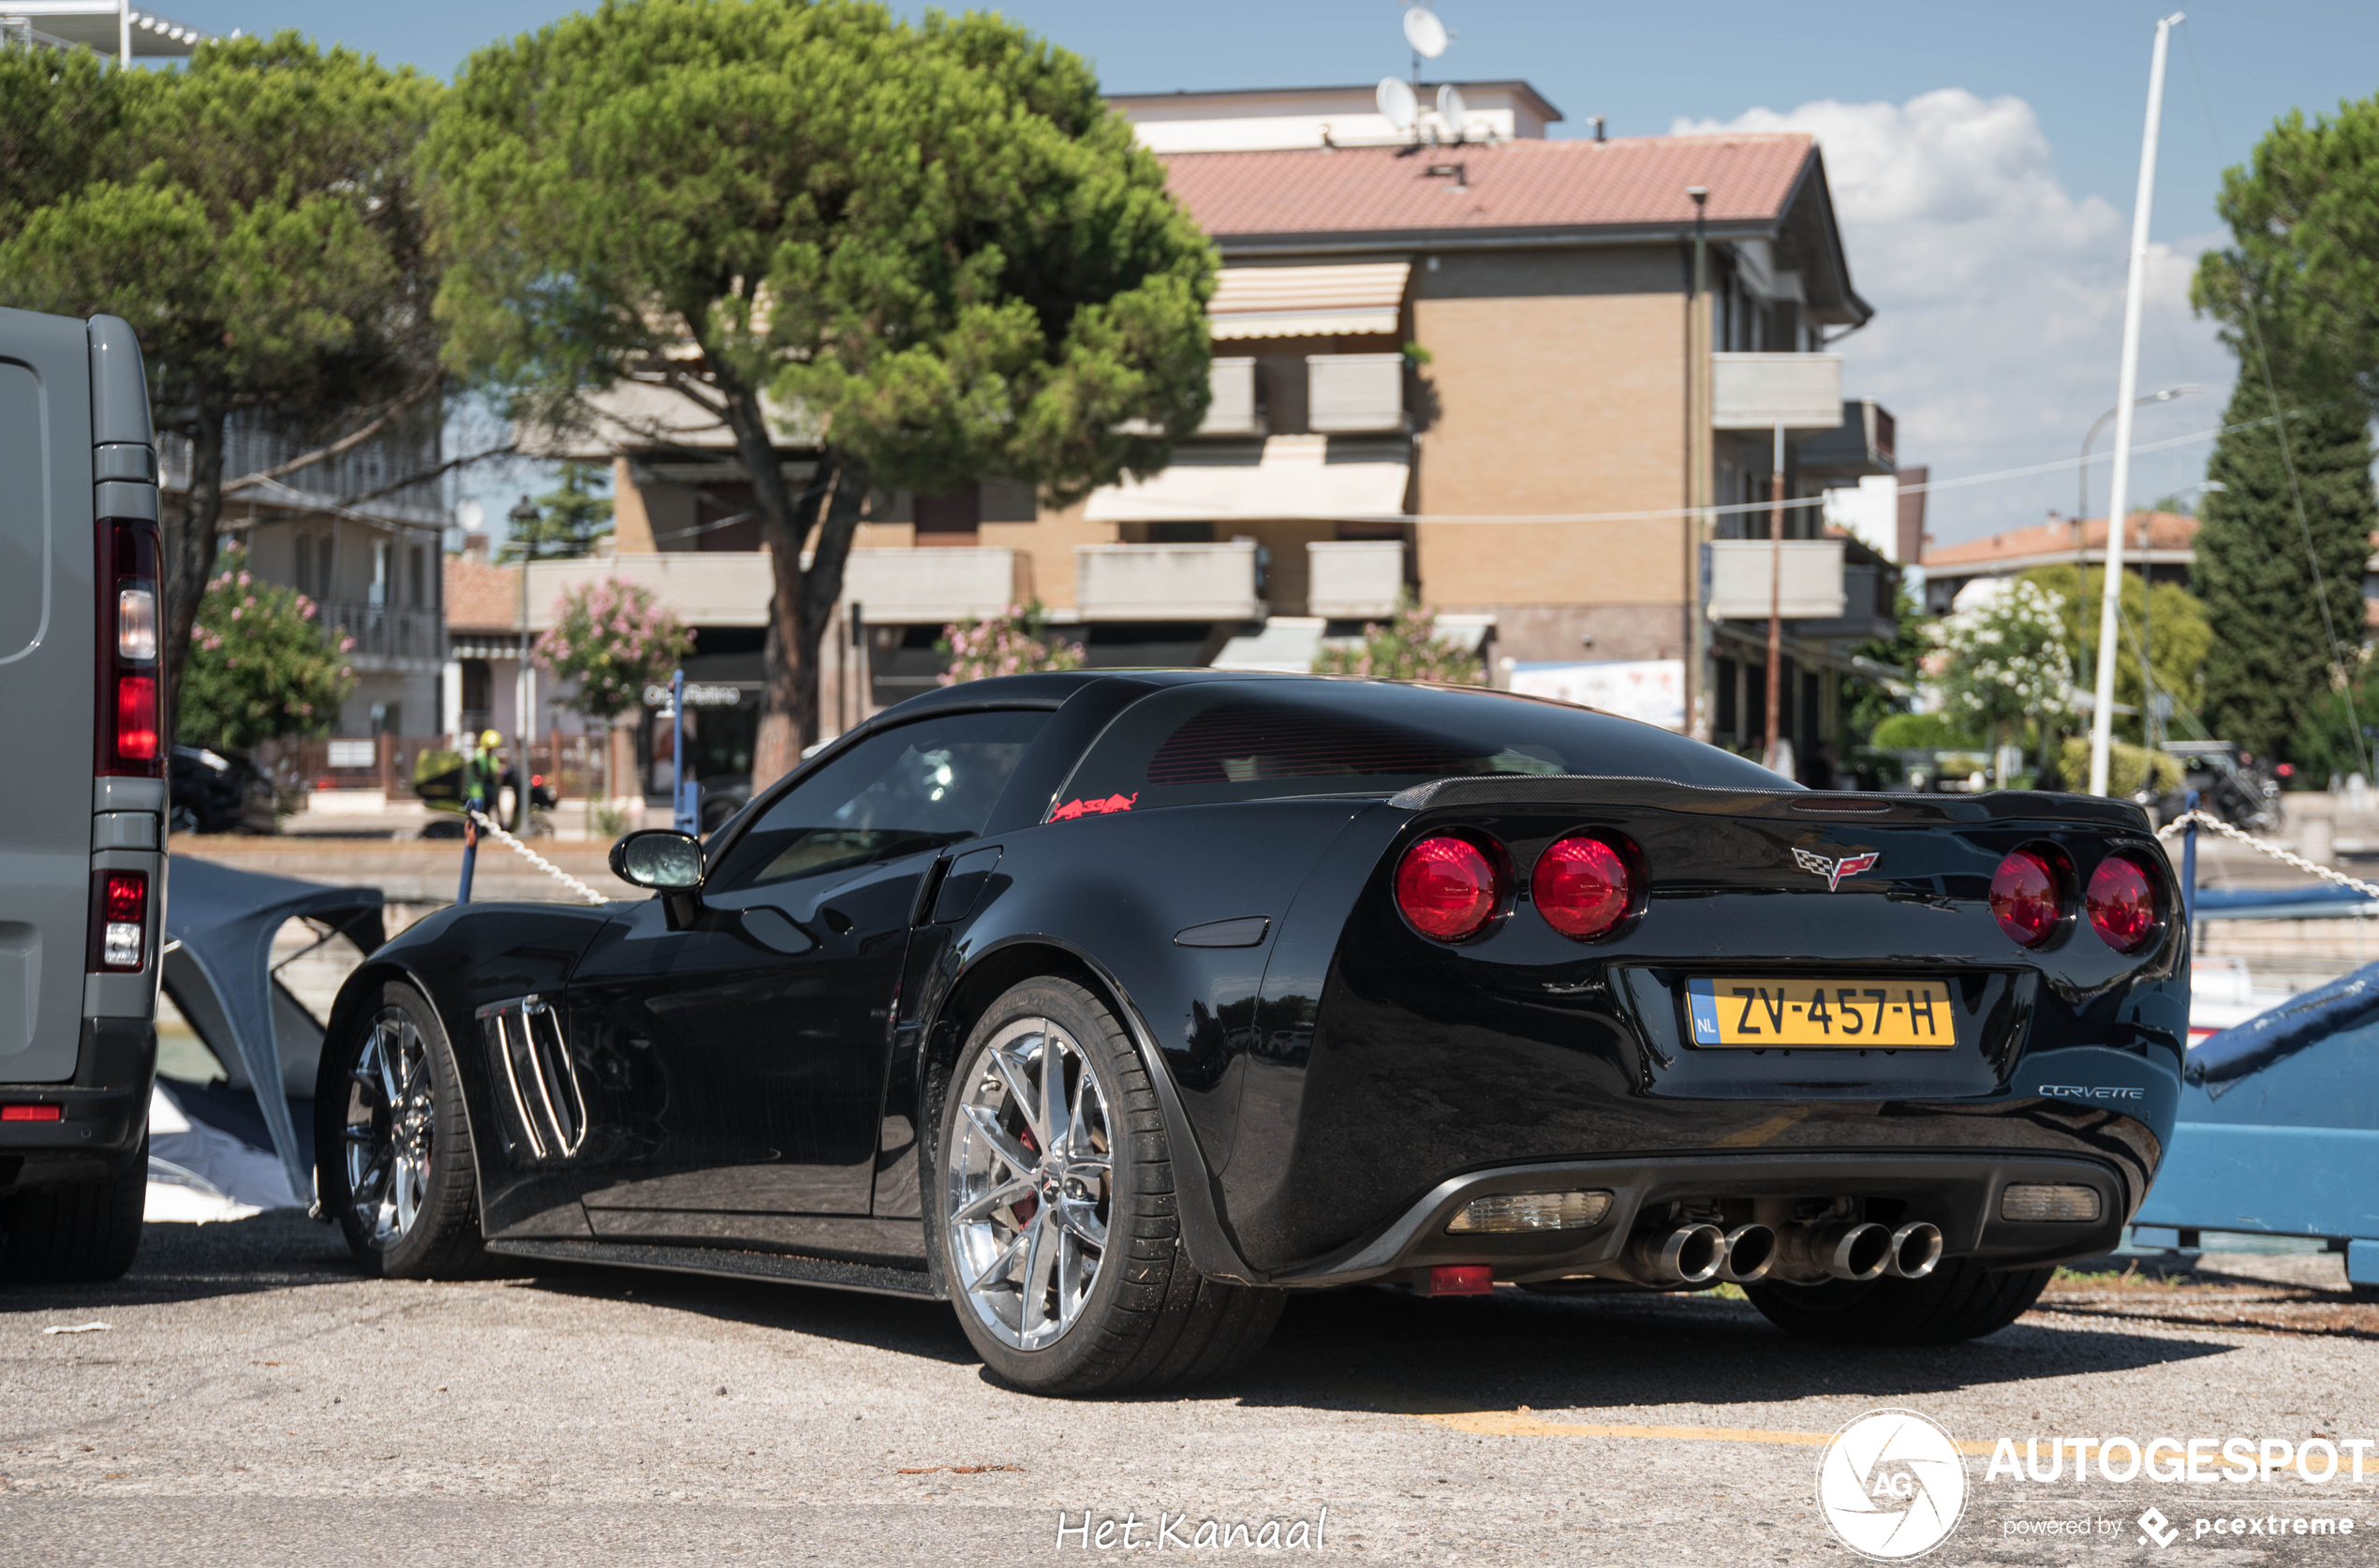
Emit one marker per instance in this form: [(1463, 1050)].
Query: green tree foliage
[(930, 251), (2297, 294), (2300, 281), (2266, 572), (570, 517), (2171, 618), (1406, 647), (1873, 703), (260, 665), (253, 217), (2129, 768), (1010, 644)]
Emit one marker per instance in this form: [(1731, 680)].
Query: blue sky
[(1983, 158)]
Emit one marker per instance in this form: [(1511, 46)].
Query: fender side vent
[(547, 1117)]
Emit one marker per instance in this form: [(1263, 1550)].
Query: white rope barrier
[(489, 826), (2326, 873)]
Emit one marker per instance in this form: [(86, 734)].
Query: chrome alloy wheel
[(391, 1129), (1029, 1184)]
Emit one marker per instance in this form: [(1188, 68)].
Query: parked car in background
[(216, 792), (2230, 783), (82, 845), (1113, 1007)]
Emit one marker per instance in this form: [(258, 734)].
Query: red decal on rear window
[(1093, 807)]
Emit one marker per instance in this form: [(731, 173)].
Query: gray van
[(82, 850)]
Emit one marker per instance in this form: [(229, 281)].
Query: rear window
[(1231, 740)]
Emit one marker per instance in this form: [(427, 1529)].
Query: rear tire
[(1959, 1300), (84, 1233), (1145, 1319), (407, 1199)]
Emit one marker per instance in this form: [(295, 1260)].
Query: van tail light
[(130, 731), (2028, 897), (2122, 901), (1448, 888), (120, 926), (1582, 888)]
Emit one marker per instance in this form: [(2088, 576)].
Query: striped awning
[(1307, 301)]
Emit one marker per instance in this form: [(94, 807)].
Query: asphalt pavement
[(252, 1401)]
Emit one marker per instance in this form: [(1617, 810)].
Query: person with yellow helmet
[(483, 774)]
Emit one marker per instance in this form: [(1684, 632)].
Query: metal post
[(1698, 707), (2189, 871), (1776, 602), (862, 665), (2101, 715), (682, 789)]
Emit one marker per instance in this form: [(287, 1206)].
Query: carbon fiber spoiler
[(1996, 806)]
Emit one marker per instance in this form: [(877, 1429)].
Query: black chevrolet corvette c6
[(1114, 1007)]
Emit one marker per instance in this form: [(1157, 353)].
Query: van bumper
[(103, 1109)]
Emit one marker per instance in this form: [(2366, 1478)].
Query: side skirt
[(790, 1268)]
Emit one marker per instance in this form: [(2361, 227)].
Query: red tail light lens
[(1447, 888), (32, 1112), (2025, 896), (124, 919), (2121, 902), (1581, 887), (136, 718)]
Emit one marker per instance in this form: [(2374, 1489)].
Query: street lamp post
[(522, 517), (1698, 717), (2081, 535)]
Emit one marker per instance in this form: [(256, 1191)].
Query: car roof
[(1050, 687)]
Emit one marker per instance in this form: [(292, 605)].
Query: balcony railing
[(1802, 576), (1346, 393), (384, 631), (1231, 405), (930, 586), (1760, 391), (1167, 582), (1352, 580)]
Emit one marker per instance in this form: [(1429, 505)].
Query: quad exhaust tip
[(1846, 1250), (1685, 1255), (1916, 1249), (1750, 1252)]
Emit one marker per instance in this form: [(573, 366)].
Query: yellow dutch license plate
[(1841, 1014)]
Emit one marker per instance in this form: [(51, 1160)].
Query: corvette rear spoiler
[(1490, 790)]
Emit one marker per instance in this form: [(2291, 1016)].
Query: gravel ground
[(253, 1401)]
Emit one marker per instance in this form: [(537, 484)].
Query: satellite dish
[(1452, 109), (1424, 32), (1397, 103)]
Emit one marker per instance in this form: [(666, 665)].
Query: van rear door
[(48, 677)]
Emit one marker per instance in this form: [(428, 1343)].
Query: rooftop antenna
[(1428, 37)]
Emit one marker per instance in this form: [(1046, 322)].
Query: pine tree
[(569, 519), (2266, 574)]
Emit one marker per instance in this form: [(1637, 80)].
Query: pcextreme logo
[(1891, 1486)]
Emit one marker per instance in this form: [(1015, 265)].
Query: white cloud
[(1999, 302)]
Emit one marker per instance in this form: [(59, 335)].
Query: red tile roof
[(1638, 181), (482, 598), (2165, 530)]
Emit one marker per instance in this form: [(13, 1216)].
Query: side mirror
[(661, 859)]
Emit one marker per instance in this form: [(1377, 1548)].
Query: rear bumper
[(1959, 1192), (103, 1109)]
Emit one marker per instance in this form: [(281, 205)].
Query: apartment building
[(1476, 366), (350, 534)]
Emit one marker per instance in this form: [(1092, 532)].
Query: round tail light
[(1447, 888), (2121, 902), (2025, 897), (1581, 887)]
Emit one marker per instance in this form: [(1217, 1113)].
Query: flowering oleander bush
[(1009, 643), (2004, 665), (261, 667), (1407, 647), (614, 638)]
